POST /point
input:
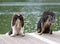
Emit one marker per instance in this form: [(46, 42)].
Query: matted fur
[(46, 22)]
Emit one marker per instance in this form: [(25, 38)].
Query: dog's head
[(49, 17), (17, 19)]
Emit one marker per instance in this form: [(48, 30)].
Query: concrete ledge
[(31, 38)]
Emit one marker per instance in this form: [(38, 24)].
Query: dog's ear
[(14, 17), (22, 20)]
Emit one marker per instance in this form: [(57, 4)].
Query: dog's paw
[(50, 33), (12, 35), (39, 33), (22, 35)]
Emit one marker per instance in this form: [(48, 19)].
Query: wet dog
[(17, 25), (46, 23)]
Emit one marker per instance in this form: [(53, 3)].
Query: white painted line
[(26, 4), (42, 38), (33, 12)]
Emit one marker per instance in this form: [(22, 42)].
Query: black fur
[(43, 19)]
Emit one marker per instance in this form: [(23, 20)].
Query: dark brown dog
[(46, 23)]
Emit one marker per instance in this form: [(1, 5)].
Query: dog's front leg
[(42, 31), (51, 28), (22, 31), (13, 31), (43, 28), (50, 32)]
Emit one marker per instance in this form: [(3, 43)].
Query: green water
[(28, 9), (30, 20), (29, 0)]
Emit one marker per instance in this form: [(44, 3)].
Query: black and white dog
[(17, 25), (46, 22)]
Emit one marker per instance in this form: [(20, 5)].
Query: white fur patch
[(13, 31), (22, 31)]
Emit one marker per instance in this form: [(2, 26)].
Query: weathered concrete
[(31, 38)]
